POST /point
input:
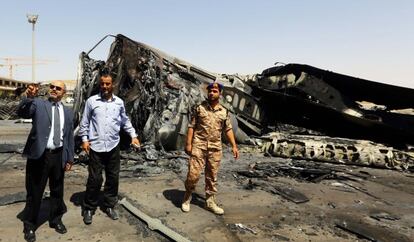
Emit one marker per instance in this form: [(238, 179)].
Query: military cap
[(215, 85)]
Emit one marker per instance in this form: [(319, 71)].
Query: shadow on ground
[(175, 196), (43, 213), (77, 198)]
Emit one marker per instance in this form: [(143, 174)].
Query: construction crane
[(22, 61), (11, 66)]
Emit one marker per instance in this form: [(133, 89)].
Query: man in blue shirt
[(103, 118)]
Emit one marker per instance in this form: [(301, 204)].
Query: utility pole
[(32, 18)]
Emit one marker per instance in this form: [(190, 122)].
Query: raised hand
[(32, 90)]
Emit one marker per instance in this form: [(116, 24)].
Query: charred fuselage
[(159, 90)]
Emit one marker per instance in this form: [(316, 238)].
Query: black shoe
[(111, 213), (59, 227), (87, 216), (29, 235)]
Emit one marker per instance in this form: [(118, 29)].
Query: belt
[(53, 150)]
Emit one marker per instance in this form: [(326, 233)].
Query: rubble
[(159, 90), (269, 214), (337, 150), (286, 192), (330, 130), (241, 227), (264, 175), (368, 231), (8, 105), (302, 170), (8, 108), (331, 102)]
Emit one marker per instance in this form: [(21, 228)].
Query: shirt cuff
[(85, 138)]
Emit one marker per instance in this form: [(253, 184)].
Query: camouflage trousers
[(209, 160)]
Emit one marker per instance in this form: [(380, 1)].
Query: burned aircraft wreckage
[(290, 110)]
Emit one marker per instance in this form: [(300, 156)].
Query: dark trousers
[(48, 166), (99, 161)]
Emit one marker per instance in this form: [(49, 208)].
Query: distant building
[(8, 86), (70, 86)]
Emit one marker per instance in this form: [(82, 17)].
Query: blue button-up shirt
[(101, 122)]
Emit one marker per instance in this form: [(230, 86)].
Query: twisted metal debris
[(8, 109), (159, 90), (337, 150)]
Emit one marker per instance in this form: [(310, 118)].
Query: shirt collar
[(102, 99), (217, 108), (57, 103)]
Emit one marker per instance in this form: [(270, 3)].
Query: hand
[(31, 91), (188, 149), (68, 165), (235, 152), (86, 146), (135, 143)]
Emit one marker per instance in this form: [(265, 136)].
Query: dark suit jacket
[(40, 111)]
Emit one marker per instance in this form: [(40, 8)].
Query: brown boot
[(185, 206), (212, 206)]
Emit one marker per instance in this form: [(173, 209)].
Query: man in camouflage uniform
[(208, 121)]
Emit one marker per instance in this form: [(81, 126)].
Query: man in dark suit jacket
[(49, 150)]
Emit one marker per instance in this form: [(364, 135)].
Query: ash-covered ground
[(265, 199)]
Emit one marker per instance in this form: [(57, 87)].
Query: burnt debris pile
[(337, 150), (8, 108), (145, 162), (328, 108), (157, 92)]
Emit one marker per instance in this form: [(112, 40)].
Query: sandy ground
[(268, 216)]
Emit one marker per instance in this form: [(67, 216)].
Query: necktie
[(56, 126)]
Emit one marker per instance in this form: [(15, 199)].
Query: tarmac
[(375, 203)]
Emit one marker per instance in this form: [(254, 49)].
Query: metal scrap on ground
[(153, 224)]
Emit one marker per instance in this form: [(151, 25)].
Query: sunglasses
[(55, 87)]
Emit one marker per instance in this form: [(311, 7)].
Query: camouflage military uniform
[(208, 125)]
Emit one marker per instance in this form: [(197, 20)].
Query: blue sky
[(371, 39)]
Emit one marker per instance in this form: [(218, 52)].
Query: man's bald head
[(56, 90)]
